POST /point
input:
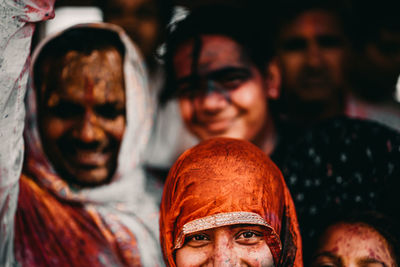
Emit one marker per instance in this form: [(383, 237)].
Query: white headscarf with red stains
[(124, 200)]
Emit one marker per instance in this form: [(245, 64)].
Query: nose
[(214, 99), (314, 55), (88, 130), (224, 254)]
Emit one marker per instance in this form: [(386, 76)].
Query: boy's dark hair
[(231, 22), (81, 39)]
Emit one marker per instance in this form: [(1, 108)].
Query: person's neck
[(310, 113)]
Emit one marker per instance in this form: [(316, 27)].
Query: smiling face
[(224, 94), (237, 245), (358, 245), (312, 53), (82, 115)]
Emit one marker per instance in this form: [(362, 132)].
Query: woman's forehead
[(214, 52), (79, 76)]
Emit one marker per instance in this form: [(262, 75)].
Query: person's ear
[(273, 80)]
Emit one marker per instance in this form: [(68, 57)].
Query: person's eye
[(109, 111), (249, 237), (67, 110), (197, 240), (323, 261), (232, 81), (294, 45), (329, 41), (325, 264)]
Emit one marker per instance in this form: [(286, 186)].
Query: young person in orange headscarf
[(225, 203)]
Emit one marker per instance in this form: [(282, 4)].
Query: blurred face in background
[(222, 93), (356, 244), (378, 66), (312, 53), (82, 115), (235, 245), (141, 19)]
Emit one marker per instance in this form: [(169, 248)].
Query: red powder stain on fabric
[(44, 7), (26, 31)]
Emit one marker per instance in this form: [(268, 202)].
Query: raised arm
[(16, 29)]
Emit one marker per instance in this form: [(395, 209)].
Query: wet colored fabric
[(114, 224), (226, 181), (17, 25)]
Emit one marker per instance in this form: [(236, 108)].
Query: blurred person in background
[(313, 52), (222, 74), (376, 66), (82, 191), (146, 22)]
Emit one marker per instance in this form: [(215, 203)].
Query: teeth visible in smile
[(91, 158)]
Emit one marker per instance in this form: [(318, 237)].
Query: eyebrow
[(214, 74), (337, 260), (367, 260)]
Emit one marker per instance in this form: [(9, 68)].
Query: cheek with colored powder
[(114, 128), (54, 128)]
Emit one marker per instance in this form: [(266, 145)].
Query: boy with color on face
[(220, 70)]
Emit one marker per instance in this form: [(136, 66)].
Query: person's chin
[(229, 133), (90, 177), (218, 129)]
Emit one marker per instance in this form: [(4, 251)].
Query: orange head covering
[(225, 181)]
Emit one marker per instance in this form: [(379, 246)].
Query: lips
[(314, 82), (86, 156), (88, 159), (315, 78), (216, 126)]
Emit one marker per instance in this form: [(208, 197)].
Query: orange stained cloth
[(228, 179), (50, 232)]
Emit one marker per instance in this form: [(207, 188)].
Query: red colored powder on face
[(89, 92)]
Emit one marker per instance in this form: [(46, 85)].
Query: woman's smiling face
[(234, 245)]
